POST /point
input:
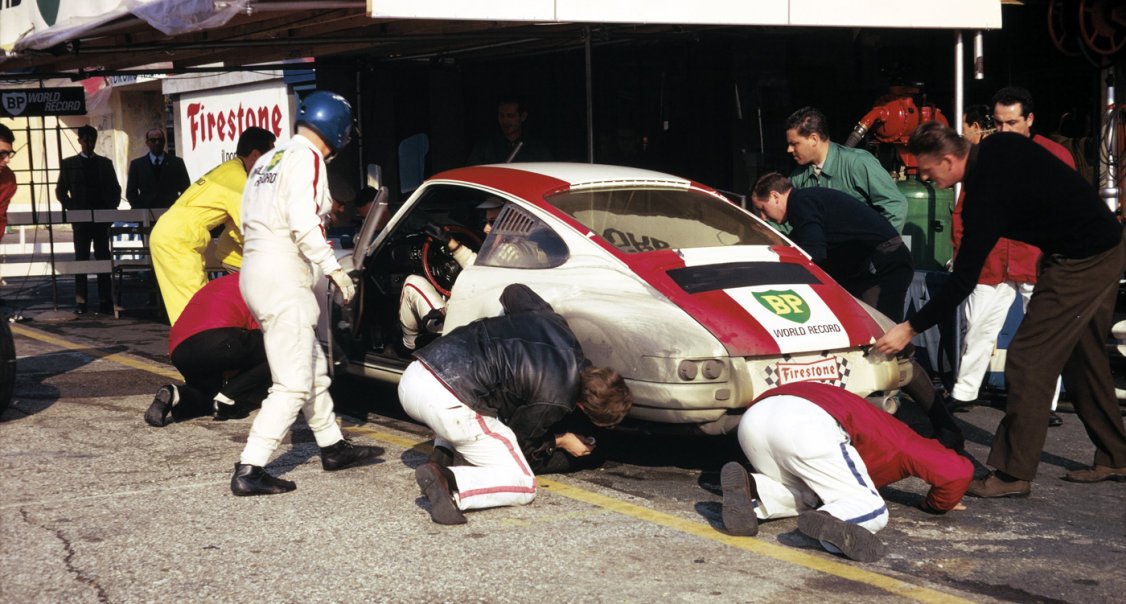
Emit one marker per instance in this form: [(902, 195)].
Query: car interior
[(413, 247)]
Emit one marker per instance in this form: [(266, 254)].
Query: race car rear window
[(638, 220)]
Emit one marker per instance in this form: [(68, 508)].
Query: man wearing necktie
[(88, 182), (156, 179)]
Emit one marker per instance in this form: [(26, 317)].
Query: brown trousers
[(1064, 331)]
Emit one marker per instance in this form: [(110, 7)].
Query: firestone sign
[(210, 122), (39, 102)]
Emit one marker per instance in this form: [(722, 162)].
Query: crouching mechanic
[(495, 392), (217, 346), (285, 249), (821, 453)]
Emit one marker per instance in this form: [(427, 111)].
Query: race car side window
[(520, 240)]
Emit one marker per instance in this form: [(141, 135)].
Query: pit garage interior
[(683, 93)]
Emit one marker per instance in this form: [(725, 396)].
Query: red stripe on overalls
[(420, 292), (316, 179), (517, 456)]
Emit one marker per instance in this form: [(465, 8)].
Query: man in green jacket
[(822, 163)]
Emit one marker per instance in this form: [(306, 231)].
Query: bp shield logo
[(13, 103), (786, 304)]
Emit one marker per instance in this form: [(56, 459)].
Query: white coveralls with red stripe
[(284, 253), (495, 390), (815, 446)]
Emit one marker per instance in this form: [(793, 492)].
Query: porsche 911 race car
[(697, 302)]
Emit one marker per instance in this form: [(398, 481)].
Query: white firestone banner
[(209, 122)]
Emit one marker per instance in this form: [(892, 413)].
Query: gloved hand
[(436, 232), (343, 283)]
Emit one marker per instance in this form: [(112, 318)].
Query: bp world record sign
[(39, 102)]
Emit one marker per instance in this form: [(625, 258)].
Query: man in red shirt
[(7, 178), (1010, 268), (217, 346), (820, 453)]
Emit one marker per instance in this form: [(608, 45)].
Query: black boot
[(345, 455), (161, 406), (438, 485), (253, 480)]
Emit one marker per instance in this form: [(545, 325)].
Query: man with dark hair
[(1017, 189), (512, 144), (1013, 110), (88, 182), (495, 391), (820, 453), (862, 252), (7, 177), (181, 235), (217, 346), (822, 163), (156, 178)]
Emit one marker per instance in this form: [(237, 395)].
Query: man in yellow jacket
[(180, 237)]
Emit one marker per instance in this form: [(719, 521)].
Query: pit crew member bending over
[(180, 237), (495, 391), (285, 250), (820, 453), (216, 336)]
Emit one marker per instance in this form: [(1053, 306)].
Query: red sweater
[(219, 304), (1010, 260), (890, 449)]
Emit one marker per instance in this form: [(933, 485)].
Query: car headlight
[(711, 369)]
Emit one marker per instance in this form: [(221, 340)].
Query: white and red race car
[(698, 303)]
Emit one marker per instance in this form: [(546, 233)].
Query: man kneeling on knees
[(820, 453), (494, 392)]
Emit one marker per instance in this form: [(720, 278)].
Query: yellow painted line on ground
[(797, 557), (116, 357)]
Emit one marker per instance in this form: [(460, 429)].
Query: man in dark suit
[(88, 182), (156, 179)]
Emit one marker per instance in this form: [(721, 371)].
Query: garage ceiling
[(272, 31), (276, 31)]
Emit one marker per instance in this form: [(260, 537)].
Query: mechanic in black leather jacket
[(496, 391)]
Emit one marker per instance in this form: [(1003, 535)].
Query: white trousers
[(278, 288), (804, 460), (498, 474), (984, 313), (418, 298)]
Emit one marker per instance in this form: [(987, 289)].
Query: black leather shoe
[(253, 480), (959, 406), (739, 494), (223, 411), (1054, 420), (852, 540), (80, 308), (157, 413), (435, 485), (345, 455)]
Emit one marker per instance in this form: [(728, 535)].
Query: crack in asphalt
[(68, 560)]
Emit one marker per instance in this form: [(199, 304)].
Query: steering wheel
[(438, 262)]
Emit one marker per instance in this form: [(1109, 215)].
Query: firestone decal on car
[(830, 369)]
